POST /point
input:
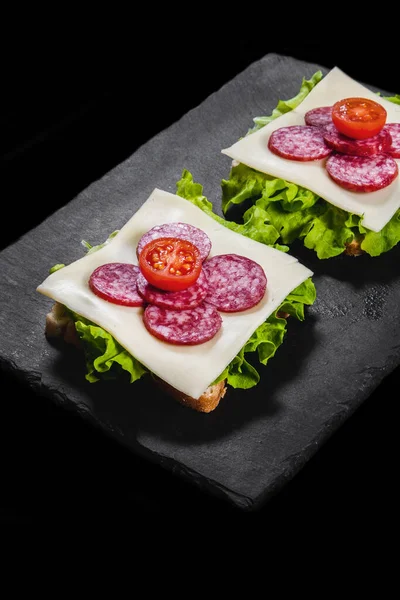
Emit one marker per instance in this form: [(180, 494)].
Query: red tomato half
[(358, 118), (170, 264)]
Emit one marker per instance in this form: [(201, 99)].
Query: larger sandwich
[(313, 180), (196, 351)]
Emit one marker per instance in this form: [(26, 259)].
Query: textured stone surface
[(258, 439)]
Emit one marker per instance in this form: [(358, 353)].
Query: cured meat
[(183, 231), (116, 282), (299, 142), (362, 174), (319, 117), (184, 299), (184, 327), (366, 147), (394, 130), (235, 282)]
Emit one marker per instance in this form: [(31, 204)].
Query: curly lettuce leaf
[(323, 227), (327, 233), (105, 357), (376, 243), (285, 106), (255, 225), (245, 184)]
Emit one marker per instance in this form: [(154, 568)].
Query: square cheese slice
[(375, 208), (190, 369)]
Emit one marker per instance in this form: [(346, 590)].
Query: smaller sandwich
[(323, 169), (180, 296)]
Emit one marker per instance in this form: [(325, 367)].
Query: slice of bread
[(207, 401), (353, 248), (59, 324)]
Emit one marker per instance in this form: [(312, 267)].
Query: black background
[(73, 106)]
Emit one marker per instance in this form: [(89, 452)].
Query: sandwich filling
[(189, 369)]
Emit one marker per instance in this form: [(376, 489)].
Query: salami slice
[(183, 327), (367, 147), (188, 298), (362, 173), (183, 231), (299, 142), (116, 282), (235, 282), (319, 117), (394, 130)]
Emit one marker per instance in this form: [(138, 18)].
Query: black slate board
[(256, 440)]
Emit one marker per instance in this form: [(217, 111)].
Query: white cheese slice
[(376, 208), (190, 369)]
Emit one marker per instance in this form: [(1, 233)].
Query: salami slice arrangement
[(116, 282), (226, 283), (194, 326), (182, 300), (376, 144), (319, 117), (235, 282), (394, 148), (358, 165), (367, 175), (299, 142)]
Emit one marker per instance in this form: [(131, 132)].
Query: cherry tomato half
[(170, 264), (358, 118)]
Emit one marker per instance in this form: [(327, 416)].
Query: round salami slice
[(188, 298), (184, 327), (235, 282), (299, 142), (362, 173), (183, 231), (319, 117), (394, 130), (116, 282), (367, 147)]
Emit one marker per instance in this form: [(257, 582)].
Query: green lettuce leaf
[(285, 106), (395, 99), (105, 357), (255, 225), (89, 248), (376, 243), (56, 267), (293, 212)]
